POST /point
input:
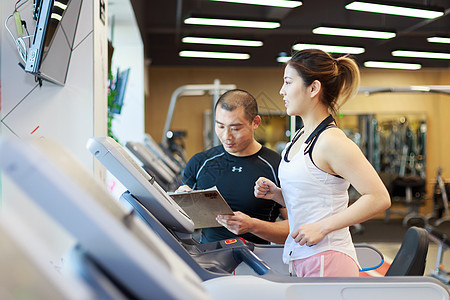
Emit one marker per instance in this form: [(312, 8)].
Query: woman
[(319, 165)]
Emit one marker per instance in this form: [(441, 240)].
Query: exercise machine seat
[(411, 258), (416, 183)]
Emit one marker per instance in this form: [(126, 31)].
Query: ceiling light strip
[(436, 39), (391, 65), (232, 23), (60, 5), (420, 54), (330, 48), (277, 3), (283, 59), (354, 32), (56, 16), (216, 55), (394, 10), (218, 41)]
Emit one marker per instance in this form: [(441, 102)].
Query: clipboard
[(203, 206)]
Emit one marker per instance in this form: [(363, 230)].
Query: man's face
[(235, 131)]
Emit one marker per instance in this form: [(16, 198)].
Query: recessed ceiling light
[(421, 54), (277, 3), (232, 23), (217, 55), (395, 9), (391, 65), (330, 48), (283, 59), (354, 32), (218, 41), (436, 39)]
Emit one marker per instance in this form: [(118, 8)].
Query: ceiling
[(161, 25)]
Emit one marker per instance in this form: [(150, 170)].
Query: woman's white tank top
[(310, 195)]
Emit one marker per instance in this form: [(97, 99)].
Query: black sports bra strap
[(297, 135), (321, 127), (311, 140)]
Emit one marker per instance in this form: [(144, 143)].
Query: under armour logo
[(235, 169)]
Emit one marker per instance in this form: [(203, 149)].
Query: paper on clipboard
[(203, 206)]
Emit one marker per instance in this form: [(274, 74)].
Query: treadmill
[(117, 254), (24, 271), (169, 160), (122, 257), (150, 201), (153, 165), (205, 259), (146, 198)]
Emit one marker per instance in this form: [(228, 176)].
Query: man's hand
[(183, 188), (239, 223)]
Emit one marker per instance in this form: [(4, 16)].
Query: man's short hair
[(232, 99)]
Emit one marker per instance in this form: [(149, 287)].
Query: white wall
[(1, 35), (124, 34), (128, 53), (69, 114)]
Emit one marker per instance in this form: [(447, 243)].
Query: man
[(234, 167)]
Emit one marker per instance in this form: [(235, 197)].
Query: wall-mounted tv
[(120, 87), (49, 55)]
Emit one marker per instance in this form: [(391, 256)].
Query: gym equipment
[(106, 150), (215, 90), (115, 162), (440, 212), (409, 190), (369, 258), (443, 244), (155, 166), (148, 199), (411, 258), (122, 258), (204, 258), (126, 260), (24, 271), (175, 165)]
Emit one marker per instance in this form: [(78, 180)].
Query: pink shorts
[(329, 263)]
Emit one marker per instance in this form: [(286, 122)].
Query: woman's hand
[(264, 188), (309, 234)]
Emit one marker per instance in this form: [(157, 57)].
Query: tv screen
[(49, 55), (120, 86)]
